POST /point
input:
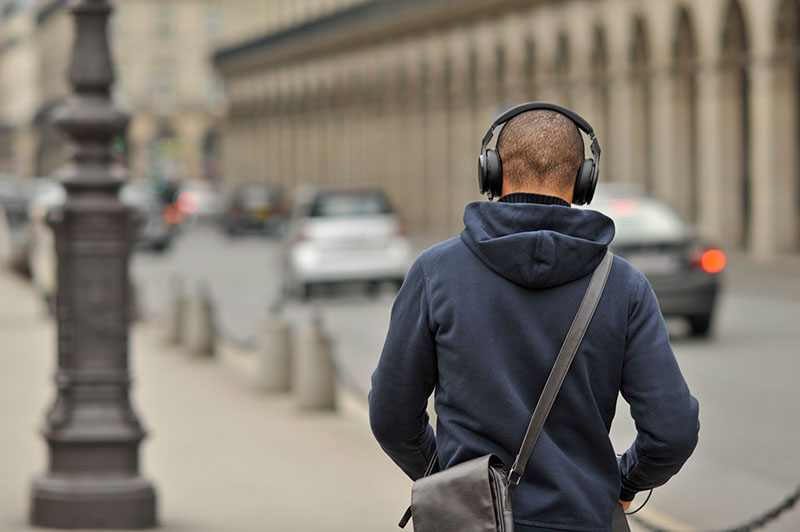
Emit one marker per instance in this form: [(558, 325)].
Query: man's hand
[(625, 504)]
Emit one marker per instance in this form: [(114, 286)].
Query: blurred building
[(19, 94), (164, 78), (695, 100)]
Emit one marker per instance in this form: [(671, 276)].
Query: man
[(480, 320)]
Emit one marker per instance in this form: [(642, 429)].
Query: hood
[(537, 246)]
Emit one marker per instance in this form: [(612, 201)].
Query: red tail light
[(713, 261), (173, 215)]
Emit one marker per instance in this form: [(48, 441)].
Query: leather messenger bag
[(477, 495)]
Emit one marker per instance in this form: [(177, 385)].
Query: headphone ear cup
[(483, 186), (586, 183), (494, 173)]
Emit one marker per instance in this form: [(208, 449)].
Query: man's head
[(541, 153)]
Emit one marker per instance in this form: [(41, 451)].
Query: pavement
[(223, 456)]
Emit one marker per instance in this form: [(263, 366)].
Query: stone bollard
[(200, 335), (176, 309), (314, 381), (275, 356)]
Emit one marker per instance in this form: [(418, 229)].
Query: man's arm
[(665, 413), (405, 378)]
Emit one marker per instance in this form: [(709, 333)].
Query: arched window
[(687, 185), (735, 127), (472, 74), (500, 74), (640, 105), (786, 115), (561, 69), (530, 69), (600, 92)]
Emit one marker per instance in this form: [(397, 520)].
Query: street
[(744, 377)]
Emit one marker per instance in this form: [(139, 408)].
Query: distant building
[(165, 79), (695, 100), (19, 91)]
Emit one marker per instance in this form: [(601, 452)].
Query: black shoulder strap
[(571, 343)]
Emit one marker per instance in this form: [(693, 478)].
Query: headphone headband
[(490, 167)]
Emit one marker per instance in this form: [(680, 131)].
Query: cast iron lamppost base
[(92, 432)]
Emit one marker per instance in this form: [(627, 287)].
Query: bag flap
[(456, 499)]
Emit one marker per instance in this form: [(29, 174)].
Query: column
[(666, 184), (765, 223), (709, 151)]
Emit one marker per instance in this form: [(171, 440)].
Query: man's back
[(481, 319)]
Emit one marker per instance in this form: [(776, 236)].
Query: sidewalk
[(224, 457)]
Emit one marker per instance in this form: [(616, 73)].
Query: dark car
[(154, 231), (14, 196), (683, 269), (255, 208)]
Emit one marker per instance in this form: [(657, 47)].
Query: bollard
[(314, 383), (274, 356), (200, 335), (176, 308)]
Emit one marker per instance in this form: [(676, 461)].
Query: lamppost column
[(91, 430)]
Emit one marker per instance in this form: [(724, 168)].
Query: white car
[(343, 234)]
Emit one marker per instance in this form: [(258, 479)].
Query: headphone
[(490, 167)]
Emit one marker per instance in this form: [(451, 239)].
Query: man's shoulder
[(443, 251), (625, 275)]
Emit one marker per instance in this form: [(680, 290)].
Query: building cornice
[(365, 23)]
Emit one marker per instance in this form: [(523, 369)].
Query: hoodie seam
[(426, 294)]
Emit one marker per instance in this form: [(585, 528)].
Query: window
[(163, 22), (162, 83), (213, 21)]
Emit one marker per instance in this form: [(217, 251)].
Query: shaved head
[(541, 151)]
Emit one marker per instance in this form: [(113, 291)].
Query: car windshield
[(359, 203), (258, 196), (640, 219)]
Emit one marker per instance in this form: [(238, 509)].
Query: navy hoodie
[(480, 320)]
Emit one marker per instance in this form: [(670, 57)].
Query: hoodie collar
[(529, 197), (534, 245)]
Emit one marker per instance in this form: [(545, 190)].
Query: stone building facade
[(164, 78), (19, 94), (697, 101)]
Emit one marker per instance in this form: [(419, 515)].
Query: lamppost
[(92, 432)]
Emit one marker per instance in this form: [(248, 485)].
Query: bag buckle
[(514, 478)]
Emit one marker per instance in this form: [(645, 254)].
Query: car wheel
[(700, 326), (305, 291), (374, 288)]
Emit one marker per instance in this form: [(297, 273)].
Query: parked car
[(255, 208), (46, 194), (683, 269), (343, 234), (200, 201), (14, 198), (154, 231)]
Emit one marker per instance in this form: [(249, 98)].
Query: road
[(744, 377)]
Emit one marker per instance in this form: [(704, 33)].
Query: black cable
[(643, 504)]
